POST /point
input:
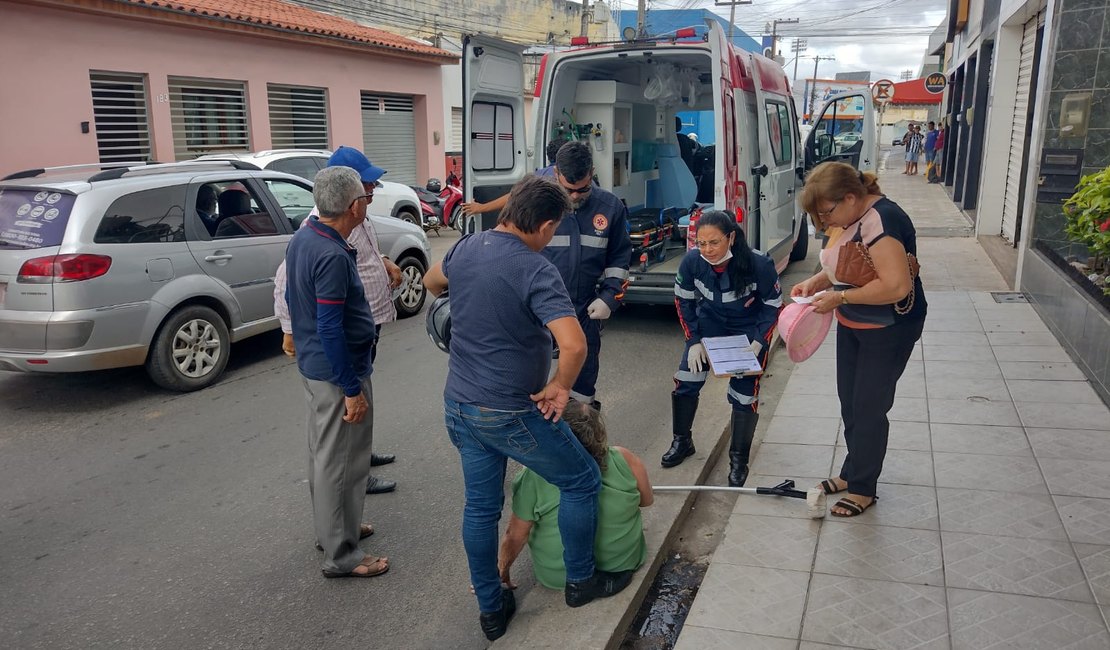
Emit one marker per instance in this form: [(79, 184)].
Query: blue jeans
[(485, 438)]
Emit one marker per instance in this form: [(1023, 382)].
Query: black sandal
[(830, 488), (854, 509)]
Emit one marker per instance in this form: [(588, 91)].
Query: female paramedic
[(722, 289)]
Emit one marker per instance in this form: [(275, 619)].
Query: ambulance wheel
[(801, 244)]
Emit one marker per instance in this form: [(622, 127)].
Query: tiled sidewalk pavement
[(993, 527)]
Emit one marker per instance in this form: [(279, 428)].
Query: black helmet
[(438, 321), (434, 186)]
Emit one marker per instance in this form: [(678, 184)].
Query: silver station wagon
[(162, 265)]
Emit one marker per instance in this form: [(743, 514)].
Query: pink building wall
[(47, 55)]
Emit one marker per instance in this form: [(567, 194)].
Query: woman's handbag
[(855, 267)]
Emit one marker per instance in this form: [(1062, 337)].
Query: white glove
[(756, 347), (696, 358), (598, 310)]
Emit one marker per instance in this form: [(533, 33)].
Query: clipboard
[(731, 356)]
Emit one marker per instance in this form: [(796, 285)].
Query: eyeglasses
[(712, 243), (821, 214), (369, 197), (579, 191)]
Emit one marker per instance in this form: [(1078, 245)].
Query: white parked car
[(390, 200)]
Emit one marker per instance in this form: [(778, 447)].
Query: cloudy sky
[(883, 36)]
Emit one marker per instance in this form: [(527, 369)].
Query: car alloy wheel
[(411, 299), (196, 348)]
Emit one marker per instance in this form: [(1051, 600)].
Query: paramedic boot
[(683, 409), (740, 448)]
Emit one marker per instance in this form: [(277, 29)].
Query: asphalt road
[(133, 517)]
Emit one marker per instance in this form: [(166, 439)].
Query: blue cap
[(356, 160)]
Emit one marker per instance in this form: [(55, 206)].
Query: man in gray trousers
[(334, 333)]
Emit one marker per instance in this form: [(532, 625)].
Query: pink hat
[(803, 330)]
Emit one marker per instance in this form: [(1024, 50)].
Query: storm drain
[(666, 605), (1009, 296)]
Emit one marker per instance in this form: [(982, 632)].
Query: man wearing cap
[(378, 273)]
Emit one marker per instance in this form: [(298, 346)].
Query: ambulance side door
[(494, 143)]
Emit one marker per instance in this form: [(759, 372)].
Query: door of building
[(389, 135), (1018, 162)]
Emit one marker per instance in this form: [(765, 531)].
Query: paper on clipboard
[(731, 355)]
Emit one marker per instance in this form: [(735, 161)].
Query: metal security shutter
[(208, 115), (456, 129), (298, 117), (1013, 197), (120, 116), (389, 135)]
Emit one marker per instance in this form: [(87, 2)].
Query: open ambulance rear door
[(845, 131), (775, 171), (493, 122)]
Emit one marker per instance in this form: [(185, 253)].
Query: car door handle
[(218, 258)]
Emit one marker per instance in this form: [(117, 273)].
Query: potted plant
[(1087, 221)]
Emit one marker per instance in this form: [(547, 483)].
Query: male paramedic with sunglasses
[(590, 246)]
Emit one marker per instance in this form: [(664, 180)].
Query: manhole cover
[(1009, 296)]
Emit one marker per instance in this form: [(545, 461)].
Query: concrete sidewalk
[(993, 528)]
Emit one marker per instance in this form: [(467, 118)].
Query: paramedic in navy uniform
[(722, 289), (590, 245)]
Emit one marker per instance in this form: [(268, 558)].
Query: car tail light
[(579, 40), (63, 268), (741, 200)]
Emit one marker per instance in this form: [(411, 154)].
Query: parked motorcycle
[(452, 196), (431, 205), (441, 204)]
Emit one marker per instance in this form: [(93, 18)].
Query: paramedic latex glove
[(696, 358), (598, 310), (756, 347)]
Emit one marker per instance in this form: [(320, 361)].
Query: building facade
[(1029, 91), (127, 81)]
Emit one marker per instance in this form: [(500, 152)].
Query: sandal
[(854, 509), (364, 531), (830, 487), (381, 564)]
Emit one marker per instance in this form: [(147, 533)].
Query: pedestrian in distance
[(915, 142), (906, 143), (507, 302), (625, 488), (930, 150), (592, 250), (938, 153), (334, 333), (378, 273), (724, 288), (879, 321)]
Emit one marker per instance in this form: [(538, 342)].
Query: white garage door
[(1014, 198), (389, 135)]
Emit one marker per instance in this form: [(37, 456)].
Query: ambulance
[(622, 98)]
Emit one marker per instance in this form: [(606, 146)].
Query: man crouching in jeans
[(507, 301)]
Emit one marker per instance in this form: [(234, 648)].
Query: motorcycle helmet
[(438, 322), (434, 186)]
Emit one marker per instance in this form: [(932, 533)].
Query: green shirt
[(619, 543)]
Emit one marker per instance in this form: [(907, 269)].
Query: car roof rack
[(160, 168), (39, 171)]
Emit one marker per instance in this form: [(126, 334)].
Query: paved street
[(134, 517)]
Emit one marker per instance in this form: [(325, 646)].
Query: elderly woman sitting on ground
[(619, 544)]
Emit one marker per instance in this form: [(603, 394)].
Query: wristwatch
[(844, 297)]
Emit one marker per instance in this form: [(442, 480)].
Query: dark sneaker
[(601, 584), (494, 624)]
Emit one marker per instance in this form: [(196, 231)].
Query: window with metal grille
[(298, 117), (207, 116), (120, 115), (389, 134), (456, 128)]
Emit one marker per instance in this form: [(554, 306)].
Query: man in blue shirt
[(507, 301), (334, 334)]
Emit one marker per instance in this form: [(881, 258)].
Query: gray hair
[(334, 189), (589, 427)]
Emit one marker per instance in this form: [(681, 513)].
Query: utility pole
[(813, 91), (641, 18), (585, 18), (774, 28), (797, 47), (731, 13)]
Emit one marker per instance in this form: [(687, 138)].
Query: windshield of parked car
[(33, 218)]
